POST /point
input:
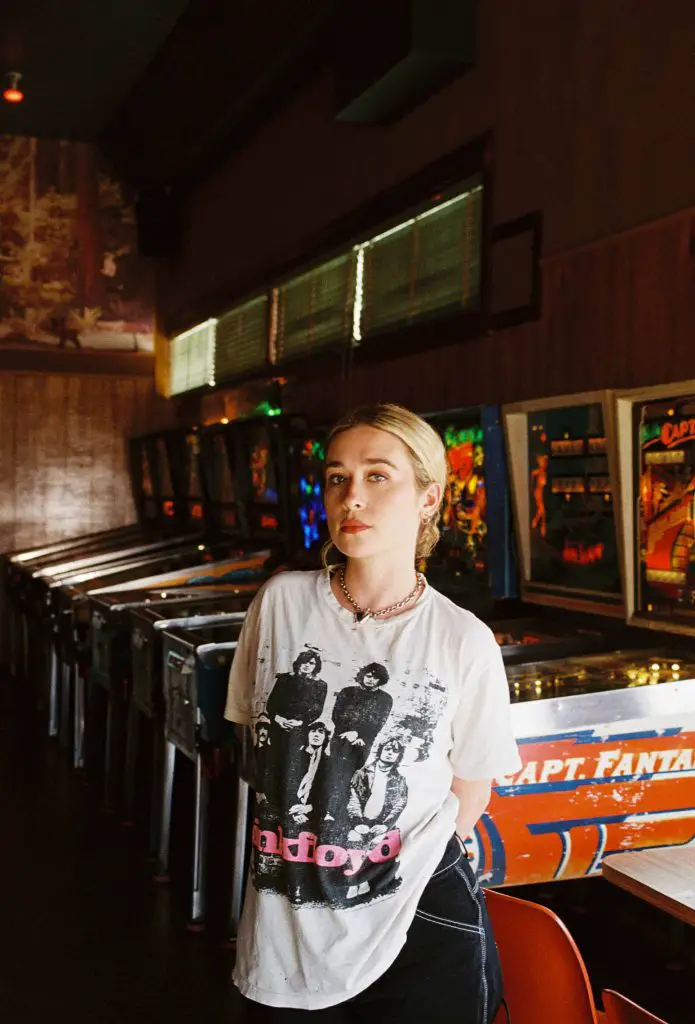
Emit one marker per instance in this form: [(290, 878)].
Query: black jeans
[(448, 969)]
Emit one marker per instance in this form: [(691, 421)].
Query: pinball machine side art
[(657, 456), (602, 773), (563, 464)]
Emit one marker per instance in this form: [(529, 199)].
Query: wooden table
[(665, 878)]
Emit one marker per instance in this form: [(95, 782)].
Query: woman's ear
[(432, 500)]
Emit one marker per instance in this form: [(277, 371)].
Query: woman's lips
[(353, 527)]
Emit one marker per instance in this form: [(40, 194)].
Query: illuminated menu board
[(571, 522), (666, 508)]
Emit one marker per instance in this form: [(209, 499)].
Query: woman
[(415, 945)]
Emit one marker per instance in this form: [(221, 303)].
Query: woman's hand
[(473, 798)]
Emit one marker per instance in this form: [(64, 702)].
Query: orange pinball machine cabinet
[(607, 740), (657, 430)]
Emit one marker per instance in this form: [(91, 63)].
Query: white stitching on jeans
[(447, 868), (475, 896), (447, 922)]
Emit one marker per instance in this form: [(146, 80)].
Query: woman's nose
[(354, 498)]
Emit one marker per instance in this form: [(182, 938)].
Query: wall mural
[(70, 273)]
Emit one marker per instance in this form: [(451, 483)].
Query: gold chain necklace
[(366, 613)]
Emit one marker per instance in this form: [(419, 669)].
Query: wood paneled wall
[(591, 106), (617, 314), (63, 453)]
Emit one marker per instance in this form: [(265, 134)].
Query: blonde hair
[(427, 455)]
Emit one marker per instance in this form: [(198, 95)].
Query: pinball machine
[(606, 739), (126, 648), (475, 562), (207, 476), (169, 502), (25, 572), (282, 496), (150, 478), (17, 569)]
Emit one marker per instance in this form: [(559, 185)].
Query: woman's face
[(373, 505)]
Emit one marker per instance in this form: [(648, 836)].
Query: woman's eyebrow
[(367, 462)]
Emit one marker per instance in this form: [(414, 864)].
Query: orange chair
[(545, 979), (620, 1010)]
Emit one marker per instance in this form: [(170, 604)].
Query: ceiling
[(79, 59), (164, 86)]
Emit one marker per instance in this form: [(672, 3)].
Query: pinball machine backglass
[(657, 428), (473, 561), (563, 463), (306, 455)]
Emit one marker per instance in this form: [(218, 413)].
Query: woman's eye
[(378, 477), (334, 479)]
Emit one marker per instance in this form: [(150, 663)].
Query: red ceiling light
[(13, 94)]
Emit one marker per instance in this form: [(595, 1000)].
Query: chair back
[(545, 980), (620, 1010)]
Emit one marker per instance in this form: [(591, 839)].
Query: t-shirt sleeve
[(242, 675), (484, 746)]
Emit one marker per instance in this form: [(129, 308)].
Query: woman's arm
[(473, 798)]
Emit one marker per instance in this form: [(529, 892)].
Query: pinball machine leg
[(239, 857), (12, 639), (159, 753), (200, 842), (65, 702), (53, 694), (78, 720), (109, 752), (25, 647), (165, 796), (131, 761)]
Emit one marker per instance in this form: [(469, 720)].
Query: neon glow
[(310, 510), (13, 94), (471, 435), (266, 409), (580, 554)]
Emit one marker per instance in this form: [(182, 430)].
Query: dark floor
[(88, 938)]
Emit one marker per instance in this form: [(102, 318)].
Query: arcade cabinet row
[(603, 514)]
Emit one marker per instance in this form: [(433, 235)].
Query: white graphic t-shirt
[(357, 730)]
